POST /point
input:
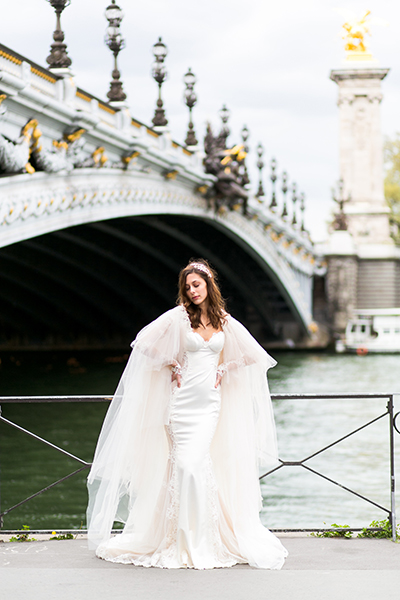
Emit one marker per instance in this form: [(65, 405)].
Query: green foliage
[(391, 151), (342, 531), (384, 533), (62, 536), (24, 536)]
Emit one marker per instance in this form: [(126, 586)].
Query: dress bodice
[(194, 342)]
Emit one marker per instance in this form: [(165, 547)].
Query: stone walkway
[(323, 569)]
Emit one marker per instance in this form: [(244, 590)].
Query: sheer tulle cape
[(132, 451)]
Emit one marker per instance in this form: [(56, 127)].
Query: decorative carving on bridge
[(27, 154), (67, 153), (171, 174), (97, 159), (228, 166), (14, 156)]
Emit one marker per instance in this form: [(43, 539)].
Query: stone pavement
[(317, 568)]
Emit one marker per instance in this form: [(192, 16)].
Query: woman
[(178, 462)]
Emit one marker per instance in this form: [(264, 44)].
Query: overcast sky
[(268, 61)]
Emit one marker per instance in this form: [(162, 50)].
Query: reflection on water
[(293, 496)]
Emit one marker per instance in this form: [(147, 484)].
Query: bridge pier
[(363, 262)]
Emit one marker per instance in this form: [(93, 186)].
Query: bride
[(178, 454)]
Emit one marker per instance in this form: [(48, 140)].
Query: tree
[(391, 153)]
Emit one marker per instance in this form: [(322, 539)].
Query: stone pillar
[(360, 150), (341, 279)]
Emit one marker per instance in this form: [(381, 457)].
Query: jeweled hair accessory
[(202, 268)]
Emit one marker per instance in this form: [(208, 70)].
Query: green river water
[(293, 497)]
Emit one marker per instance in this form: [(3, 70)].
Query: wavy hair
[(216, 309)]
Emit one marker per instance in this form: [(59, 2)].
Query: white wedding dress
[(190, 526)]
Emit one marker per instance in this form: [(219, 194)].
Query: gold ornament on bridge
[(354, 32)]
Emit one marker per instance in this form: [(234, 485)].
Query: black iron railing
[(389, 414)]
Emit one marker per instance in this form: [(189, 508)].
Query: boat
[(374, 330)]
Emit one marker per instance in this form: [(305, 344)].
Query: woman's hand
[(177, 377), (218, 379), (176, 374)]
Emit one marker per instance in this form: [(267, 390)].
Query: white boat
[(375, 330)]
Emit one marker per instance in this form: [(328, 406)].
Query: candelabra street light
[(284, 190), (340, 221), (159, 73), (245, 137), (260, 165), (190, 99), (302, 207), (58, 57), (274, 203), (224, 114), (116, 43), (245, 179), (294, 200)]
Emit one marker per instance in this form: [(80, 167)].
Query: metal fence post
[(390, 408)]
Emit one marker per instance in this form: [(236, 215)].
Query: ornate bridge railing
[(388, 414)]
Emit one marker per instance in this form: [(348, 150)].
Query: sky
[(268, 61)]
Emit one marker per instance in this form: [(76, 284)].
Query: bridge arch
[(96, 255)]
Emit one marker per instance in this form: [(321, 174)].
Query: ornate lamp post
[(260, 165), (115, 42), (224, 114), (245, 136), (272, 177), (284, 190), (294, 200), (302, 207), (58, 57), (190, 99), (340, 221), (244, 175), (159, 73)]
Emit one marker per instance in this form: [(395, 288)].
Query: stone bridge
[(98, 212)]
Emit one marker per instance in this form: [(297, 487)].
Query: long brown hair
[(216, 308)]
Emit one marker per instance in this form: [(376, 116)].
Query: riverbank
[(317, 568)]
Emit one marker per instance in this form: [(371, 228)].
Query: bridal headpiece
[(202, 268)]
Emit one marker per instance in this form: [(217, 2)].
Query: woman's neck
[(204, 314)]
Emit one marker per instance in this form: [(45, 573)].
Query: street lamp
[(294, 200), (245, 136), (224, 114), (159, 73), (302, 208), (340, 221), (272, 177), (284, 190), (260, 166), (58, 57), (116, 43), (190, 99)]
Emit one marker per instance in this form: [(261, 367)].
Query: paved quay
[(317, 568)]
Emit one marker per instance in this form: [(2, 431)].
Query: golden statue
[(354, 32)]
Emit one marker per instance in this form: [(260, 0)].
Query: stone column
[(341, 279), (360, 150)]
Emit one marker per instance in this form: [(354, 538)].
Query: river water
[(293, 496)]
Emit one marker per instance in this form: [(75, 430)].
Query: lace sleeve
[(224, 367)]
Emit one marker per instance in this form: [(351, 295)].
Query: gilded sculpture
[(354, 33)]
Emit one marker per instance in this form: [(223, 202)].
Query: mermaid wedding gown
[(190, 526)]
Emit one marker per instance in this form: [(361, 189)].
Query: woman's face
[(196, 288)]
